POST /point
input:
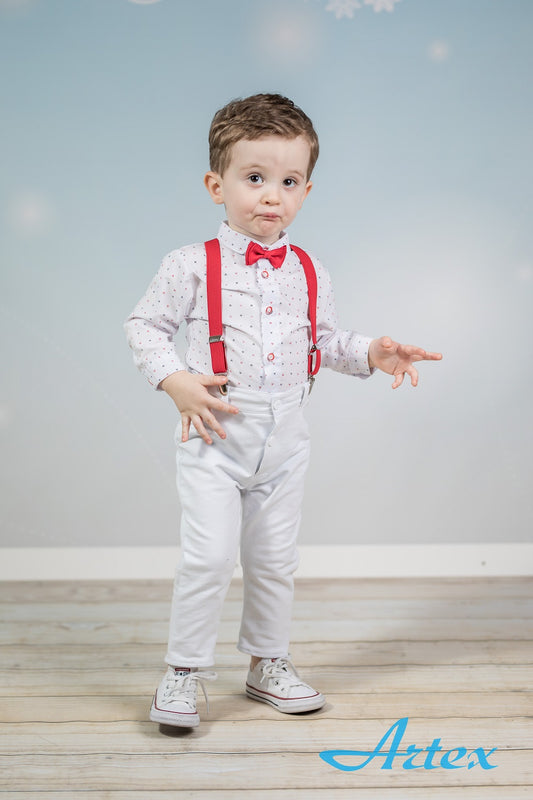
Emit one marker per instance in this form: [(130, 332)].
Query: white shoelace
[(284, 669), (183, 685)]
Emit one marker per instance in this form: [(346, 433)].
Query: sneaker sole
[(295, 707)]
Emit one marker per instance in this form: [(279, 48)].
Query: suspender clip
[(313, 361)]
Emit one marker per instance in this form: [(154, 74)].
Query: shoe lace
[(284, 669), (187, 686)]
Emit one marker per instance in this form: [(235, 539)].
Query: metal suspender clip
[(311, 376), (224, 388), (314, 364)]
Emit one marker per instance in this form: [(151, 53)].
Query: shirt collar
[(238, 242)]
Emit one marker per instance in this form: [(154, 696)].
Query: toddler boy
[(260, 318)]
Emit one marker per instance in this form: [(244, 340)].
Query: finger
[(185, 427), (419, 354), (213, 380), (414, 376), (426, 357), (416, 353), (217, 380), (398, 380), (199, 425), (213, 423), (219, 405)]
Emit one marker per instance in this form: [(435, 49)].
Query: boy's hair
[(254, 117)]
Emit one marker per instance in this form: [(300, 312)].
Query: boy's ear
[(308, 188), (213, 184)]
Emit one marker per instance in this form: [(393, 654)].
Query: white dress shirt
[(265, 317)]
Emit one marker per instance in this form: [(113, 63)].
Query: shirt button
[(268, 310), (270, 356), (264, 273)]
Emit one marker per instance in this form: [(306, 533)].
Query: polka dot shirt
[(265, 316)]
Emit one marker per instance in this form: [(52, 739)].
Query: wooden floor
[(79, 663)]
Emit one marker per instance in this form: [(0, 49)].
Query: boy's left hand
[(397, 359)]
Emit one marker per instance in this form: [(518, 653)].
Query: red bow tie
[(255, 252)]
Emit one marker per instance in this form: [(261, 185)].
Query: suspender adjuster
[(215, 339)]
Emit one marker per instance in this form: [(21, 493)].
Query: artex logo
[(431, 757)]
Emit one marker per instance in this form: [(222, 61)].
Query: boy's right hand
[(195, 403)]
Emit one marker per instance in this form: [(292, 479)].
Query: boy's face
[(264, 185)]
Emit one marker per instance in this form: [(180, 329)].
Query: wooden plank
[(327, 589), (417, 588), (109, 708), (202, 771), (298, 734), (100, 632), (437, 793), (91, 591), (411, 630), (304, 654), (493, 608), (337, 680)]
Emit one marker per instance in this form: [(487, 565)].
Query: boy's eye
[(256, 179), (289, 182)]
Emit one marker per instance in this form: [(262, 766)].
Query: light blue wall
[(421, 209)]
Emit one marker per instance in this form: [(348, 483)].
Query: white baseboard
[(334, 561)]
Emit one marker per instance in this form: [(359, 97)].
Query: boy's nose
[(271, 195)]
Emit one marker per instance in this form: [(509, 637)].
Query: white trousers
[(245, 490)]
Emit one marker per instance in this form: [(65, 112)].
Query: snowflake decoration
[(439, 51), (343, 8), (382, 5), (346, 8)]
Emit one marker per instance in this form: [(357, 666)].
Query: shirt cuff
[(361, 367), (160, 368)]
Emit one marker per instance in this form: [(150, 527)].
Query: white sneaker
[(174, 702), (275, 681)]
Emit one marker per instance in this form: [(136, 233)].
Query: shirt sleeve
[(155, 320), (341, 350)]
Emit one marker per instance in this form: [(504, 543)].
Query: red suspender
[(214, 308), (310, 275)]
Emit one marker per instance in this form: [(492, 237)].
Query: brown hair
[(254, 117)]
